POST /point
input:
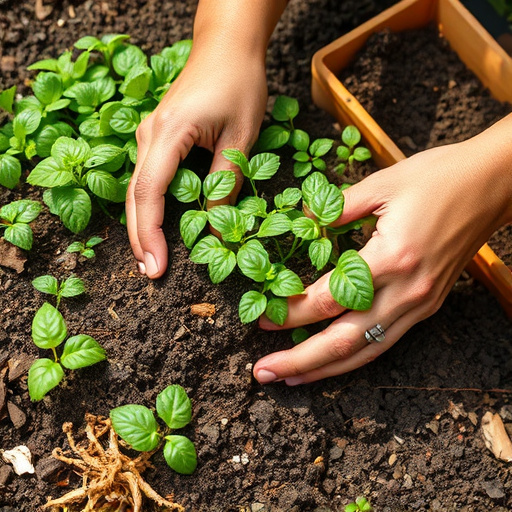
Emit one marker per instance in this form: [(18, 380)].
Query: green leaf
[(72, 287), (180, 454), (24, 210), (299, 335), (136, 82), (327, 204), (263, 166), (343, 152), (46, 284), (26, 122), (102, 184), (320, 147), (301, 156), (273, 137), (137, 425), (93, 241), (48, 327), (45, 65), (351, 136), (253, 261), (46, 138), (48, 88), (81, 351), (238, 158), (274, 225), (319, 164), (185, 186), (286, 283), (88, 43), (50, 173), (221, 264), (178, 53), (95, 72), (312, 184), (301, 169), (230, 222), (299, 139), (89, 253), (277, 310), (114, 41), (351, 507), (104, 153), (19, 235), (125, 120), (306, 228), (164, 71), (43, 375), (192, 223), (69, 152), (28, 103), (361, 154), (131, 148), (252, 306), (75, 247), (173, 406), (319, 252), (351, 282), (73, 205), (219, 185), (288, 198), (251, 205), (128, 57), (205, 250), (285, 108), (7, 98)]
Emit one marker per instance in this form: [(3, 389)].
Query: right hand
[(216, 103)]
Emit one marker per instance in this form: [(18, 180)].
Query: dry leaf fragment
[(204, 309), (21, 459), (496, 437)]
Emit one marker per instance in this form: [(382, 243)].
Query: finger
[(341, 340)]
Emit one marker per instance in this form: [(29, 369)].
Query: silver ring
[(375, 335)]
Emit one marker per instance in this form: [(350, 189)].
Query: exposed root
[(110, 479)]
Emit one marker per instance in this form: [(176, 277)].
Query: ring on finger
[(376, 334)]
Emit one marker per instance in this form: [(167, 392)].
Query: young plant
[(136, 424), (360, 505), (48, 332), (70, 287), (309, 157), (15, 218), (86, 249), (348, 152)]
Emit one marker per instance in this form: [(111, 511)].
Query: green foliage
[(76, 133), (360, 505), (70, 287), (85, 249), (137, 425), (348, 152), (15, 218)]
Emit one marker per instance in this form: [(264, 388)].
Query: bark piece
[(204, 309), (496, 437), (18, 417)]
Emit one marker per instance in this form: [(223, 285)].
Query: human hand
[(216, 103), (434, 212)]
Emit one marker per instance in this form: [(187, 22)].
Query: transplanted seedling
[(360, 505), (70, 287), (348, 152), (137, 425), (86, 249), (15, 218), (308, 157)]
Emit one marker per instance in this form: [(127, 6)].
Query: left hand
[(435, 210)]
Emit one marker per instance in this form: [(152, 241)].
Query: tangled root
[(110, 479)]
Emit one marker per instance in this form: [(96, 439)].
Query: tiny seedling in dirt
[(309, 157), (299, 335), (70, 287), (360, 505), (49, 330), (137, 425), (86, 249), (348, 152), (15, 218)]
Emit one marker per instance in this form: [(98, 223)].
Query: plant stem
[(55, 356), (295, 246), (104, 208), (254, 188), (279, 250)]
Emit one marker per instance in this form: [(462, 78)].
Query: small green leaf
[(351, 282), (273, 137), (204, 251), (7, 98), (93, 241), (174, 407), (46, 138), (305, 228), (251, 205), (299, 139), (178, 53), (230, 222), (320, 147), (72, 287), (45, 65), (326, 204), (137, 425), (128, 57), (343, 153), (286, 283), (50, 173), (277, 310), (299, 335), (288, 198), (136, 82), (192, 222), (351, 507), (125, 120), (238, 158), (253, 260), (89, 253), (319, 252), (88, 43), (26, 122), (361, 154), (20, 235), (48, 88), (301, 156), (81, 351), (351, 136), (274, 225), (263, 166), (252, 306), (75, 247), (43, 375), (285, 108), (102, 184), (69, 152), (312, 184), (46, 284), (23, 210), (185, 186), (48, 327), (301, 169), (219, 185), (180, 454), (73, 205), (221, 264), (103, 154), (319, 164)]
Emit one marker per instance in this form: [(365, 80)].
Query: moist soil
[(404, 431)]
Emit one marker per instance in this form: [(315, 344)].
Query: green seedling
[(299, 335), (348, 152), (360, 505), (138, 426), (70, 287), (309, 157), (86, 249), (77, 131), (48, 332), (15, 218)]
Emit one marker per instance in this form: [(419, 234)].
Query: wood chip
[(495, 437), (20, 366), (12, 256), (205, 309), (3, 393), (18, 417)]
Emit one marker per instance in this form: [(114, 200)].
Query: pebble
[(5, 473), (224, 421), (258, 507), (392, 459), (494, 489)]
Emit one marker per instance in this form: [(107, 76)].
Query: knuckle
[(324, 306), (143, 188), (423, 291), (406, 259), (340, 348)]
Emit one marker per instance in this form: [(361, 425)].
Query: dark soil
[(403, 431)]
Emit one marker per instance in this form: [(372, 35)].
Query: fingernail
[(294, 381), (142, 267), (150, 263), (266, 377)]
